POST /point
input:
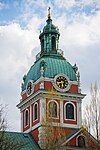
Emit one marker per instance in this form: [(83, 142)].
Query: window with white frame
[(35, 111), (69, 111), (81, 141), (53, 109), (26, 117)]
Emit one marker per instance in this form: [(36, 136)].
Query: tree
[(3, 123), (7, 143), (52, 134), (53, 137), (92, 113)]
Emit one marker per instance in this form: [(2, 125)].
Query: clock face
[(29, 87), (61, 82)]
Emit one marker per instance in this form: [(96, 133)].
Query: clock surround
[(29, 88), (61, 83)]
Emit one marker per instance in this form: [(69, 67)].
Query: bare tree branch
[(7, 143), (92, 112)]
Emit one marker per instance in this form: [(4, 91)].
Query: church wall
[(73, 88), (90, 142), (24, 96), (47, 85), (57, 81), (37, 87), (72, 142), (34, 133)]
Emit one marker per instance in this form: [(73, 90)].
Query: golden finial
[(49, 15), (78, 74)]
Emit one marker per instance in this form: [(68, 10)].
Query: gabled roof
[(77, 132), (26, 140)]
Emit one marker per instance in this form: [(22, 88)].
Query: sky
[(20, 24)]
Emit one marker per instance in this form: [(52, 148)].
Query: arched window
[(69, 111), (42, 45), (52, 109), (53, 43), (26, 117), (81, 141), (35, 111)]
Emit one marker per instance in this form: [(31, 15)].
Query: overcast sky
[(20, 25)]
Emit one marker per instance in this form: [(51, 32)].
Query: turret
[(49, 38)]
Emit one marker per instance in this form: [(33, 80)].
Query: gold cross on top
[(49, 15)]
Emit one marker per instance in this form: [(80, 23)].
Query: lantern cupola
[(49, 38)]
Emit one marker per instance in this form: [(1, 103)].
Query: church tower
[(50, 80)]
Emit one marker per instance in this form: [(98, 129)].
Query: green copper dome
[(50, 58), (52, 67), (49, 28)]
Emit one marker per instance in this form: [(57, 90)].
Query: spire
[(49, 14), (49, 38)]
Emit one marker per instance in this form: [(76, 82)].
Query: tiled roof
[(25, 140)]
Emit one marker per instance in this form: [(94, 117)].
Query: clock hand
[(60, 82)]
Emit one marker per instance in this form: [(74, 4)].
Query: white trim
[(74, 111), (27, 131), (67, 95), (41, 81), (57, 108), (34, 111), (30, 116), (61, 111), (48, 79), (66, 125), (38, 81), (22, 122), (25, 119), (55, 85), (34, 127), (79, 114), (71, 137), (31, 81), (42, 108)]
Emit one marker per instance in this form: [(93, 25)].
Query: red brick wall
[(47, 85), (34, 133), (37, 87), (24, 96), (73, 88)]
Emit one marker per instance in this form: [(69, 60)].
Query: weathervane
[(49, 15)]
